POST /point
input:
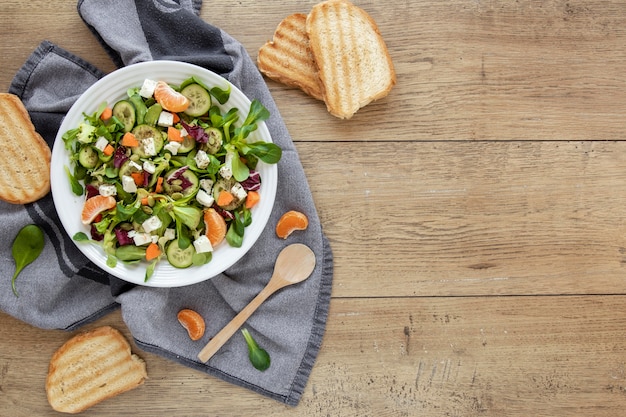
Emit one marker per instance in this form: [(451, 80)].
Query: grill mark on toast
[(354, 76), (288, 57), (91, 367), (353, 66), (25, 175)]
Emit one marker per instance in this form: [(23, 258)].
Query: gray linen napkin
[(53, 291)]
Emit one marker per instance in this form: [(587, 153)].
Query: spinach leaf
[(27, 246)]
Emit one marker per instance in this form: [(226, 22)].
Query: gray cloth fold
[(63, 290)]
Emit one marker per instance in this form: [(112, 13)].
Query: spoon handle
[(227, 332)]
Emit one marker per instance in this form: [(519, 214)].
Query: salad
[(167, 174)]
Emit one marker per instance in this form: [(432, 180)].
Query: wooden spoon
[(294, 264)]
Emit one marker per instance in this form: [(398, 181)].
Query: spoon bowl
[(294, 264)]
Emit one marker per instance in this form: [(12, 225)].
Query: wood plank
[(468, 218), (481, 70), (458, 356)]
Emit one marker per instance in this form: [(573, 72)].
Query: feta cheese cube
[(151, 224), (238, 191), (172, 147), (206, 184), (204, 198), (202, 159), (135, 166), (101, 143), (149, 167), (147, 88), (141, 239), (202, 244), (128, 184), (183, 132), (107, 189), (169, 234), (226, 171), (166, 119), (148, 146)]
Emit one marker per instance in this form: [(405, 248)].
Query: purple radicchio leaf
[(178, 175), (253, 182), (94, 233), (91, 191), (119, 157), (196, 132), (122, 237), (227, 215)]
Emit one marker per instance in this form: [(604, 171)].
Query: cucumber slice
[(180, 258), (199, 100), (187, 144), (171, 187), (124, 111), (152, 115), (216, 138), (88, 157), (143, 132)]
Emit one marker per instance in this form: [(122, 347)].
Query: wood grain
[(476, 217), (467, 218), (434, 356)]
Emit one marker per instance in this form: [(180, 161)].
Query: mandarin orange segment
[(289, 222), (192, 322), (170, 99), (215, 226), (96, 205)]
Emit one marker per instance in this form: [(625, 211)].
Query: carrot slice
[(174, 135), (129, 140), (106, 113), (108, 150), (138, 177), (159, 185), (225, 198), (252, 199), (152, 251)]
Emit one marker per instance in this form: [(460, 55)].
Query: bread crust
[(353, 62), (24, 156), (92, 367), (288, 59)]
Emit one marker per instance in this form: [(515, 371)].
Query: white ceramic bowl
[(112, 88)]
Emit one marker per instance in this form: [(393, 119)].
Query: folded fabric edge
[(150, 348), (21, 78), (93, 317), (318, 328)]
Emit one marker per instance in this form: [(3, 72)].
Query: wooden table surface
[(476, 217)]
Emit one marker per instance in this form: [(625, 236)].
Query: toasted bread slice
[(91, 367), (352, 59), (25, 156), (287, 58)]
